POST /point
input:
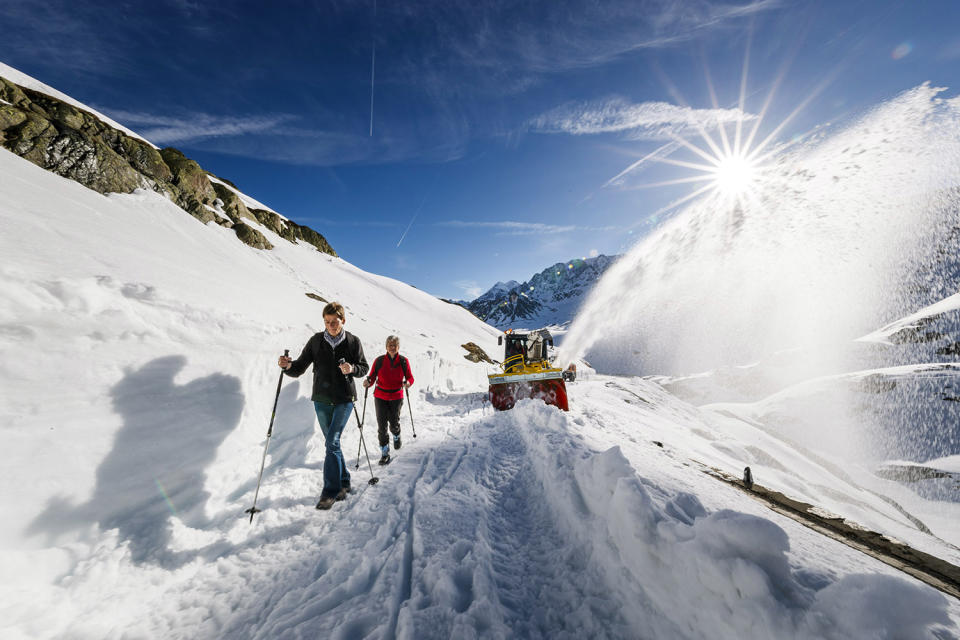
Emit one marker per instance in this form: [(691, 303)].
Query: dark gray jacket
[(329, 385)]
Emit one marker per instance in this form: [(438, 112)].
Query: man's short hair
[(335, 309)]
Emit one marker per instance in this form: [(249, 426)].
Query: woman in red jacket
[(391, 374)]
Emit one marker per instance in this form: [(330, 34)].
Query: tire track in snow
[(406, 578)]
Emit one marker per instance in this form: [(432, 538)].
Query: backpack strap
[(376, 368)]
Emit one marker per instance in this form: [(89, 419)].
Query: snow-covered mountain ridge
[(549, 298)]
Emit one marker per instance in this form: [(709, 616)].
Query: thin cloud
[(195, 126), (279, 138), (51, 35), (351, 222), (515, 228), (510, 45), (656, 154), (646, 120), (470, 288)]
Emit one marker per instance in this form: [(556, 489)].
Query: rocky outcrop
[(232, 204), (251, 236), (189, 186), (64, 140), (290, 230), (77, 145)]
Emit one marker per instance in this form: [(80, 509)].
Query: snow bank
[(711, 575)]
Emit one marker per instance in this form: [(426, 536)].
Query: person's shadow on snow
[(170, 434)]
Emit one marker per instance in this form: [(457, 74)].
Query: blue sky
[(497, 127)]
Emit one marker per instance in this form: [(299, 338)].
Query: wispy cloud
[(195, 126), (646, 120), (281, 137), (351, 222), (470, 288), (57, 36), (505, 46), (515, 228)]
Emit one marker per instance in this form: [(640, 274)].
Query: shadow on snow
[(170, 434)]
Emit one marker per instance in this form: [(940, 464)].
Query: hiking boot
[(342, 494), (396, 442), (326, 502), (385, 459)]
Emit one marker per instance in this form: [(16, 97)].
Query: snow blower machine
[(528, 372)]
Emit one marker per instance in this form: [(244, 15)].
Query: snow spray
[(843, 232)]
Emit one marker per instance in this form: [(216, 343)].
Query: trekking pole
[(362, 420), (252, 510), (410, 406), (373, 479)]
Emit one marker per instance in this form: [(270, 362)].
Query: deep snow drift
[(138, 367)]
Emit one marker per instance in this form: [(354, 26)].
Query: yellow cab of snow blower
[(528, 372)]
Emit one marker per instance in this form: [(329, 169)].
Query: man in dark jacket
[(335, 354)]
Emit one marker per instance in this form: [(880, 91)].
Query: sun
[(734, 174)]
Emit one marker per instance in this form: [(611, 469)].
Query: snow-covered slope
[(137, 373), (549, 298), (123, 313)]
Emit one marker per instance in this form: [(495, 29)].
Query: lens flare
[(734, 175)]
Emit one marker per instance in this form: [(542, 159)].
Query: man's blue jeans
[(333, 418)]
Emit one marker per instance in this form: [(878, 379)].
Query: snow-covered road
[(499, 525)]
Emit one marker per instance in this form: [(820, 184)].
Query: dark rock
[(476, 354), (188, 175), (13, 94), (145, 159), (875, 383), (291, 231), (232, 204), (251, 236), (952, 349), (10, 117)]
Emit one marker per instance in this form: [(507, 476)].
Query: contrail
[(373, 64), (412, 219)]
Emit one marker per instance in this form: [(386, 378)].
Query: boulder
[(13, 94), (251, 236), (145, 159), (188, 175), (232, 204)]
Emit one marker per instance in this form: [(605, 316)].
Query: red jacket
[(389, 374)]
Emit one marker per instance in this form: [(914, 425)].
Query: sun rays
[(728, 162)]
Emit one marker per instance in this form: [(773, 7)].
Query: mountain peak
[(550, 297)]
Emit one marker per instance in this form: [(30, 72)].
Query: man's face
[(392, 348), (333, 324)]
